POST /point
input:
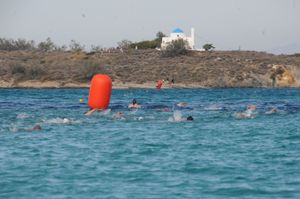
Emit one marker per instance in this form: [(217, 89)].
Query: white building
[(179, 34)]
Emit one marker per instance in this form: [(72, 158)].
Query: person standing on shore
[(159, 84), (172, 82)]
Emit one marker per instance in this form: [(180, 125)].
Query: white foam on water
[(244, 115), (133, 111), (61, 121), (213, 107), (103, 112), (13, 129), (150, 117), (138, 118), (177, 117), (23, 116)]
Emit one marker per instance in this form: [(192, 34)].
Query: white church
[(179, 34)]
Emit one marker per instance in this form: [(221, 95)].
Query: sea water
[(150, 153)]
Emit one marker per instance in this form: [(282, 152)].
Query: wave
[(23, 116), (61, 121)]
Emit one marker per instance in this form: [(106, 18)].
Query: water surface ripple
[(146, 155)]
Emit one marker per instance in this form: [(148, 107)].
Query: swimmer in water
[(182, 104), (134, 104), (36, 127), (178, 118), (190, 118), (165, 110), (119, 115), (272, 111), (249, 113)]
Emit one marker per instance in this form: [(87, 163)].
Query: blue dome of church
[(177, 30)]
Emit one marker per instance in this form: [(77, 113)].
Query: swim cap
[(190, 118)]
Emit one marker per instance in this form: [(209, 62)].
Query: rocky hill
[(142, 68)]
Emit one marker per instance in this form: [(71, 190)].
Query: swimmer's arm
[(90, 112)]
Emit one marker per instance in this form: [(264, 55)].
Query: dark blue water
[(147, 154)]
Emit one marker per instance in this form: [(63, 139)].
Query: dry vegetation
[(204, 69)]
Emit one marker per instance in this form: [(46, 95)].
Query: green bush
[(96, 48), (208, 47), (175, 48), (89, 69), (159, 37), (146, 44), (17, 69), (124, 44), (296, 54), (34, 72), (76, 46), (47, 45), (19, 44), (21, 72), (60, 48), (22, 44)]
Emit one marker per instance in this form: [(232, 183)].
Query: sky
[(261, 25)]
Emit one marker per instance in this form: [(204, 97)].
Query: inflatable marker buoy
[(100, 92), (80, 100)]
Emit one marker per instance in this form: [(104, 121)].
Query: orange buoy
[(100, 92), (159, 84)]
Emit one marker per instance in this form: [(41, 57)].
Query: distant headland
[(142, 64), (142, 68)]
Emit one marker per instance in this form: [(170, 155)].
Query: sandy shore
[(116, 85)]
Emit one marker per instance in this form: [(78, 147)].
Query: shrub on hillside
[(34, 72), (124, 44), (159, 37), (17, 69), (47, 45), (146, 44), (19, 44), (96, 48), (21, 72), (89, 69), (208, 47), (62, 48), (76, 46), (296, 55), (175, 48)]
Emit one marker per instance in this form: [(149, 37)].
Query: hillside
[(142, 68)]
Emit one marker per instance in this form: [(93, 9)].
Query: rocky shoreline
[(142, 68), (116, 85)]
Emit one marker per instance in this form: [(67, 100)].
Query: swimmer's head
[(251, 107), (190, 118), (37, 128), (134, 101), (119, 113), (274, 110)]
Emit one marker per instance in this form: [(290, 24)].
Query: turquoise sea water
[(147, 155)]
